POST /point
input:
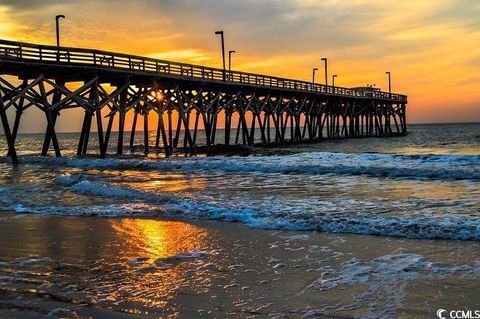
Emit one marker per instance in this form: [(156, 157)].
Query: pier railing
[(11, 50)]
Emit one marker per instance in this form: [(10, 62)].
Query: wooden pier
[(113, 84)]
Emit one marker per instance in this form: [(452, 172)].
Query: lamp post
[(333, 82), (57, 24), (325, 60), (389, 83), (223, 52), (313, 74), (230, 59)]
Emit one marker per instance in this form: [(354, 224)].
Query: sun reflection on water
[(154, 181), (145, 286), (158, 239)]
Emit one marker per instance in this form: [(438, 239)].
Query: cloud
[(430, 46)]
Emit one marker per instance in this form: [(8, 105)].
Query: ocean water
[(424, 186), (364, 228)]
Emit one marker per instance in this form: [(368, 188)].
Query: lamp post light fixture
[(313, 74), (333, 82), (230, 59), (389, 83), (223, 52), (325, 60), (57, 25)]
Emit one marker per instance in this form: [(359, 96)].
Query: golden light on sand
[(157, 238), (144, 244)]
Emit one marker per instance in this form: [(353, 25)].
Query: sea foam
[(363, 216), (144, 203), (437, 167)]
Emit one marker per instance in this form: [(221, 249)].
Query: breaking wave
[(436, 167), (144, 203)]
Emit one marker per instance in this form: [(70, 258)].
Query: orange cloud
[(431, 46)]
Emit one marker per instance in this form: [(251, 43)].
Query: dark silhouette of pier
[(294, 110)]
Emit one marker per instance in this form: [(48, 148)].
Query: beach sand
[(139, 268)]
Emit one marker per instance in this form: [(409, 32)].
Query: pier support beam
[(8, 134), (145, 132), (134, 126), (295, 116), (121, 121)]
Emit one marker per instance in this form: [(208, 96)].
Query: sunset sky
[(430, 46)]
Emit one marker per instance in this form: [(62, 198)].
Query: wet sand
[(148, 268)]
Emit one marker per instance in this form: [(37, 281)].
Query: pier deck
[(113, 84)]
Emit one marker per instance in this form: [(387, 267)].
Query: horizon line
[(222, 128)]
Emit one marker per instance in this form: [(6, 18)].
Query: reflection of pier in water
[(182, 96)]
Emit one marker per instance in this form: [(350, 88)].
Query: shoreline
[(210, 269), (168, 218)]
